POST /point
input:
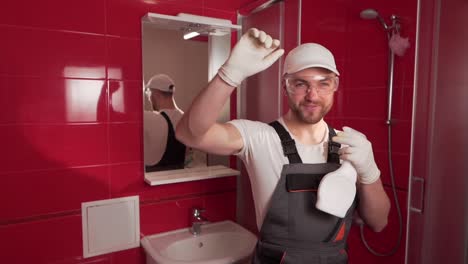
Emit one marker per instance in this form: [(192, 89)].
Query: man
[(162, 150), (287, 159)]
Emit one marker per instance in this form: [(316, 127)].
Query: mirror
[(175, 70)]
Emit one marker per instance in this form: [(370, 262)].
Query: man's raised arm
[(198, 128)]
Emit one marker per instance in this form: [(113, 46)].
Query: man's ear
[(285, 91), (283, 85)]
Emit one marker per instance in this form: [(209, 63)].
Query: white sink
[(219, 243)]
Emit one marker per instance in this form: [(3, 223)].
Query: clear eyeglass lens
[(323, 84)]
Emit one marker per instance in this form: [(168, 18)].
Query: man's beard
[(306, 117)]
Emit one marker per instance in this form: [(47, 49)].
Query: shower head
[(372, 14), (369, 14)]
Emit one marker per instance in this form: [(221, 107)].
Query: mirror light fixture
[(192, 25), (191, 34)]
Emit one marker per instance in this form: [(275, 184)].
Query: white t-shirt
[(263, 157), (155, 132)]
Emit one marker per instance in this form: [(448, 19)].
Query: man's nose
[(311, 92)]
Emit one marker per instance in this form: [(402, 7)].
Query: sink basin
[(218, 243)]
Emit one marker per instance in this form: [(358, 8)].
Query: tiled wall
[(360, 48), (67, 138)]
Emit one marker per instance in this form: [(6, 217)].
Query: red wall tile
[(404, 68), (125, 142), (399, 103), (406, 105), (46, 147), (367, 72), (76, 185), (324, 24), (127, 180), (225, 5), (84, 16), (126, 101), (46, 241), (215, 206), (374, 108), (401, 136), (134, 255), (382, 242), (224, 184), (338, 104), (215, 13), (400, 168), (124, 59), (70, 87), (43, 53), (52, 100), (165, 216)]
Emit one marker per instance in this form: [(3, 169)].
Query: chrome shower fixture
[(391, 31), (373, 14)]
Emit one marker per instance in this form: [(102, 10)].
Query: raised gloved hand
[(254, 52), (359, 153)]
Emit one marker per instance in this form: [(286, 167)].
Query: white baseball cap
[(161, 82), (309, 55)]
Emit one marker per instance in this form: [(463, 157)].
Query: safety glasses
[(323, 84)]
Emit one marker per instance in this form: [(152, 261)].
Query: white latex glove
[(254, 52), (359, 153)]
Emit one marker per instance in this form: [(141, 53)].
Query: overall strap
[(333, 147), (174, 154), (169, 123), (288, 144)]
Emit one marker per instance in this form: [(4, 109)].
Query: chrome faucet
[(197, 221)]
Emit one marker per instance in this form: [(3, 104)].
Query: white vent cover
[(110, 225)]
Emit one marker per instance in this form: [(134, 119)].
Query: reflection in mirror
[(162, 116), (174, 72)]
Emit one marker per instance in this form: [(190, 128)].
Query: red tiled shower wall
[(66, 139), (361, 49)]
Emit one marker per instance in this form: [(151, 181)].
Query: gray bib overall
[(294, 231)]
